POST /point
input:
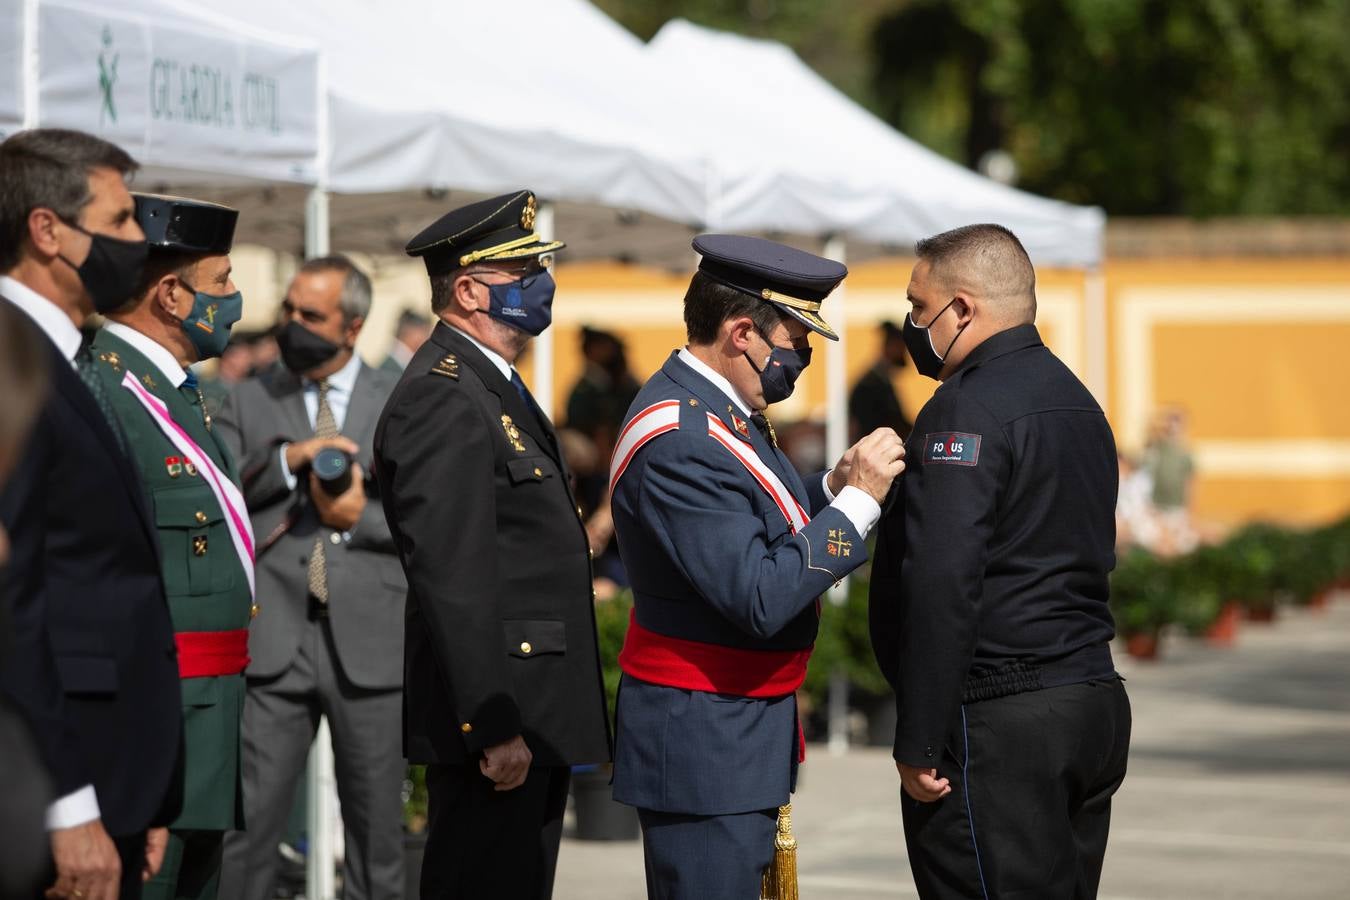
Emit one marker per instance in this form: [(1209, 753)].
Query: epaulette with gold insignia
[(447, 366)]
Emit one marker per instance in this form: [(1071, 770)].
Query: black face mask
[(302, 349), (919, 342), (779, 375), (112, 270)]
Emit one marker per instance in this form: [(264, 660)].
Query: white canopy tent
[(792, 153), (186, 98)]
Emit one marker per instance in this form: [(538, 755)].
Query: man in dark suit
[(502, 678), (92, 663), (328, 636)]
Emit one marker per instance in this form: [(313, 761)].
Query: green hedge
[(1258, 567)]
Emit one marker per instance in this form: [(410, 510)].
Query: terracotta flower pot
[(1223, 630), (1263, 614), (1320, 600), (1142, 645)]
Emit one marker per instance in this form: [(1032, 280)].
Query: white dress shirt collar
[(343, 380), (154, 351), (45, 314), (719, 382), (493, 356)]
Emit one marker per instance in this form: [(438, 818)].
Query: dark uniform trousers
[(481, 838), (731, 851), (989, 614), (1048, 759)]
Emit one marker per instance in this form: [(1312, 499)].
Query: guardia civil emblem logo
[(107, 77), (527, 214)]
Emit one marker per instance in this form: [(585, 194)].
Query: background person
[(328, 637), (873, 402), (91, 659), (503, 690)]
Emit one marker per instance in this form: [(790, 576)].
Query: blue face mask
[(779, 375), (526, 304), (208, 325)]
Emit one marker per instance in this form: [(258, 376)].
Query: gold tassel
[(780, 878)]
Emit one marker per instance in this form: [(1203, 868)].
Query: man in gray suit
[(327, 638)]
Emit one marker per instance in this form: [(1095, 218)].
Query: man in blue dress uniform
[(728, 550)]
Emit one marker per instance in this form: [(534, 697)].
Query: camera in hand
[(333, 468)]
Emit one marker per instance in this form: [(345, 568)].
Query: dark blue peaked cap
[(793, 280), (493, 229), (185, 226)]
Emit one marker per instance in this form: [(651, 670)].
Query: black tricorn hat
[(793, 280), (497, 228), (186, 226)]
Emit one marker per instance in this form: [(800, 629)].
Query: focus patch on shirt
[(952, 448)]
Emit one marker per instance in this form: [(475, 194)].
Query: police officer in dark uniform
[(502, 686), (728, 549), (182, 314), (989, 592)]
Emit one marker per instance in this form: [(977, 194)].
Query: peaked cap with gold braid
[(793, 280), (497, 228)]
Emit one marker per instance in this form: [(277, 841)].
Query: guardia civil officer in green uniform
[(182, 314)]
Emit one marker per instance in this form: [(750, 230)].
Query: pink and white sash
[(229, 497)]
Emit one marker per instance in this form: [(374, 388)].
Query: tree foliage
[(1195, 107)]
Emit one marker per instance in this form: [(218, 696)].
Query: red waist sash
[(202, 653), (696, 666)]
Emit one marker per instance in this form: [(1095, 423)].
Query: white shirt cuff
[(75, 808), (825, 485), (859, 507), (291, 480)]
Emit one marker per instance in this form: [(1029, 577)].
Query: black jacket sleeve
[(951, 505)]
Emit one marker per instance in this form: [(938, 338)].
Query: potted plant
[(414, 828), (1254, 558), (1140, 601)]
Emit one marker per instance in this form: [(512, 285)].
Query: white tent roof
[(177, 92), (792, 153)]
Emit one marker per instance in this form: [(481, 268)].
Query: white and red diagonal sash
[(655, 420), (773, 485), (227, 495)]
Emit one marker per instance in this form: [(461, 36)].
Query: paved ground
[(1239, 785)]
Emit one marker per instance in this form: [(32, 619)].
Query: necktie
[(765, 427), (84, 364), (325, 426), (191, 389), (524, 392)]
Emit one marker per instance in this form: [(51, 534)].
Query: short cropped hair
[(49, 167), (356, 290), (709, 303), (986, 260)]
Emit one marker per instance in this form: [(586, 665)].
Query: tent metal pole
[(1095, 337), (836, 442), (31, 88), (322, 816), (542, 346)]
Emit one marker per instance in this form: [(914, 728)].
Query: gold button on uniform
[(466, 728), (335, 538), (200, 516), (253, 611), (525, 647), (538, 472)]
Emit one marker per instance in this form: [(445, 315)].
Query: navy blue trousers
[(706, 857), (1032, 777)]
